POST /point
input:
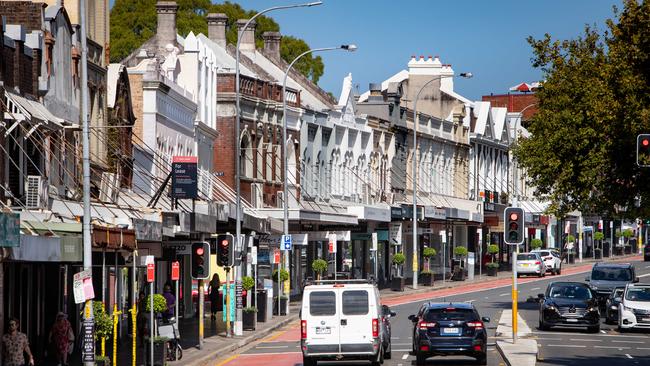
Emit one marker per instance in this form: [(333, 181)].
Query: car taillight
[(477, 325), (538, 262), (425, 326), (375, 328), (303, 329)]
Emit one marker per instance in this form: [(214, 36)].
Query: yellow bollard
[(116, 315), (134, 315), (515, 321), (104, 338)]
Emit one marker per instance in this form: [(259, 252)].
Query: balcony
[(256, 88)]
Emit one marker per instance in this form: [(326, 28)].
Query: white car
[(342, 320), (551, 259), (530, 264), (634, 309)]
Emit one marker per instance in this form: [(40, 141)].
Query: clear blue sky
[(487, 38)]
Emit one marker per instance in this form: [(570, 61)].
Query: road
[(557, 347)]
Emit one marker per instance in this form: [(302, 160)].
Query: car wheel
[(420, 358), (308, 361), (542, 325), (594, 329), (481, 360)]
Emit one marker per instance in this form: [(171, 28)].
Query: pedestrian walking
[(171, 303), (15, 346), (213, 294), (62, 338), (141, 318)]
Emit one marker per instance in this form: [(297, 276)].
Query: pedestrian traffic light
[(200, 260), (514, 226), (643, 150), (225, 250)]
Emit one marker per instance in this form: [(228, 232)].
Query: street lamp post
[(414, 168), (285, 204), (238, 321)]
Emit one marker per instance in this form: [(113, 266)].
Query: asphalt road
[(557, 347)]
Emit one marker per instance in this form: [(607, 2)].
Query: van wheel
[(380, 358), (308, 361)]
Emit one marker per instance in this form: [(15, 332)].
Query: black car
[(569, 304), (386, 314), (646, 252), (611, 305), (449, 329)]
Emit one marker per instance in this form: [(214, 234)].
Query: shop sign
[(88, 337), (408, 212), (395, 233), (184, 177), (433, 212), (9, 229), (396, 213)]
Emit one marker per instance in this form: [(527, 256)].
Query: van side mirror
[(486, 319), (636, 279), (413, 318)]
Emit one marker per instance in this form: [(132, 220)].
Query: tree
[(134, 21), (594, 100)]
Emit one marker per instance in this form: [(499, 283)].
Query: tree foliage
[(594, 101), (134, 21)]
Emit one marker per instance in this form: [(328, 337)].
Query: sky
[(484, 37)]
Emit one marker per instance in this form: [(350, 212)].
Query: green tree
[(594, 100), (134, 21)]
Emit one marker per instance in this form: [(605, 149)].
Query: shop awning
[(21, 109), (371, 213), (312, 216), (113, 238), (534, 206)]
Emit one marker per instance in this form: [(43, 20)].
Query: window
[(322, 303), (435, 315), (526, 257), (611, 274), (638, 294), (355, 302)]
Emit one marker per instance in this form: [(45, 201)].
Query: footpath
[(217, 346)]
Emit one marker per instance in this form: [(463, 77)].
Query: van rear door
[(358, 312), (323, 323)]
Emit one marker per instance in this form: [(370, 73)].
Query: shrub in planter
[(319, 266), (397, 283), (460, 251), (249, 318), (598, 253), (159, 351), (428, 253), (247, 283), (492, 269), (283, 305), (102, 360), (536, 243), (284, 275)]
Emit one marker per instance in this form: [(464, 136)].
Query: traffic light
[(200, 260), (643, 150), (225, 250), (514, 225)]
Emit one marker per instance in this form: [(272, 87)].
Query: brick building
[(515, 102)]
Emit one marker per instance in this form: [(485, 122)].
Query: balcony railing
[(256, 88)]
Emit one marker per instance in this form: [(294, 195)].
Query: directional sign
[(286, 242)]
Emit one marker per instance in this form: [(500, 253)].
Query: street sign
[(332, 244), (150, 272), (88, 337), (238, 295), (276, 256), (254, 255), (184, 177), (82, 286), (374, 242), (286, 242), (175, 271)]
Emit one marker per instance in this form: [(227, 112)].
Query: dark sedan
[(569, 304), (612, 304), (386, 314), (449, 329)]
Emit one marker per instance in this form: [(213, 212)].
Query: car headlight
[(595, 288), (614, 307), (551, 308)]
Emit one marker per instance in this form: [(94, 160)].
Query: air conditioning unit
[(34, 192), (108, 187), (280, 200), (257, 199)]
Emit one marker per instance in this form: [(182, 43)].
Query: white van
[(341, 320)]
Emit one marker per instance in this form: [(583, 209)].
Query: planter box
[(492, 271), (159, 358), (397, 284), (572, 258), (598, 254), (283, 306), (426, 279), (102, 362), (458, 275), (249, 320)]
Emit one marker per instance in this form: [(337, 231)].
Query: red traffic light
[(645, 142), (199, 251), (224, 243), (514, 216)]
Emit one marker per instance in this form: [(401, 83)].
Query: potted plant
[(459, 272), (319, 266), (627, 234), (284, 276), (102, 361), (103, 329), (247, 284), (397, 283), (598, 238), (536, 243), (492, 268), (570, 239), (426, 276), (159, 351), (249, 318)]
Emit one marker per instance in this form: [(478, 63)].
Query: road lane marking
[(628, 355), (596, 335), (394, 338), (227, 360), (404, 357), (401, 344), (612, 347), (603, 332), (645, 275), (567, 345), (586, 340), (535, 288), (628, 342), (506, 294), (643, 348), (402, 350), (548, 339), (472, 300)]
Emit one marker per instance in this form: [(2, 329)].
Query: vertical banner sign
[(150, 272), (332, 244), (253, 255), (238, 294), (600, 224), (175, 271), (276, 256), (184, 177), (395, 230), (88, 336), (374, 242)]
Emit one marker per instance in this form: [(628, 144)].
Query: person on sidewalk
[(61, 337), (213, 294), (141, 319), (15, 345), (171, 303)]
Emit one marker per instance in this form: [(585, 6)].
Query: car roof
[(613, 265), (444, 305), (330, 286), (567, 283)]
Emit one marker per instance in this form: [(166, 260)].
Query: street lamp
[(238, 321), (414, 168), (285, 204)]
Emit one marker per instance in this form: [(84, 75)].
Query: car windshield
[(638, 294), (578, 292), (611, 274), (434, 315), (526, 257)]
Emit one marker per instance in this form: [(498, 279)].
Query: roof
[(567, 283), (397, 78), (32, 109), (112, 75)]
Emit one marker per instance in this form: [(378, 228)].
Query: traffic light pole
[(227, 290), (201, 312)]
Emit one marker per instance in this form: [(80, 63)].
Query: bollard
[(104, 337), (116, 315), (134, 315)]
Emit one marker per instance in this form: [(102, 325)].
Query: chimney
[(272, 43), (166, 29), (217, 28), (247, 42), (375, 92)]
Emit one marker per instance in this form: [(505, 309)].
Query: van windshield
[(611, 274), (322, 303)]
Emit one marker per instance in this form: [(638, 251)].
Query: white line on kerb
[(628, 355), (404, 357)]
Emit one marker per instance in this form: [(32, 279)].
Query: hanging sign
[(184, 177), (332, 244)]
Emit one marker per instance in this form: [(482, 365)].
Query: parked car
[(569, 304), (342, 320), (441, 329), (605, 277), (611, 305), (634, 309), (386, 314), (530, 264), (551, 259), (646, 252)]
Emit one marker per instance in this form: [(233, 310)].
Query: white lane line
[(586, 340), (645, 275), (643, 348), (487, 297), (401, 344), (534, 288), (402, 350), (506, 294), (628, 342), (610, 347), (472, 300), (628, 355), (616, 335), (404, 357), (603, 332), (647, 266), (394, 338), (548, 339), (568, 345)]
